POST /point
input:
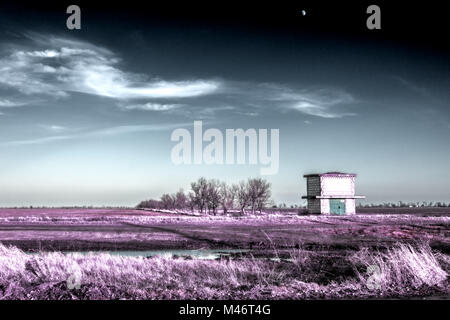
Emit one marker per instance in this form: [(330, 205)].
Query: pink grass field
[(288, 256), (129, 229)]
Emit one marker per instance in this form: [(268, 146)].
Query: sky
[(86, 115)]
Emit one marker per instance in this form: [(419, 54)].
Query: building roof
[(330, 174)]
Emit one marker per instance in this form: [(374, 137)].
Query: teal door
[(337, 206)]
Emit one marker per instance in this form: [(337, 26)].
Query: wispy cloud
[(54, 128), (149, 106), (411, 86), (319, 102), (317, 110), (5, 103), (57, 66), (323, 103), (210, 112), (111, 131), (420, 90)]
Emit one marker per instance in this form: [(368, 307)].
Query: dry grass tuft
[(402, 268)]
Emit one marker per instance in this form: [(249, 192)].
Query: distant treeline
[(209, 196), (401, 204), (68, 207)]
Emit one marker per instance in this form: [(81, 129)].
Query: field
[(278, 255)]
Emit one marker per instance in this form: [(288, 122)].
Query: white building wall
[(325, 206), (350, 206), (337, 186)]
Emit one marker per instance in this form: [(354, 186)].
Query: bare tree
[(191, 201), (242, 196), (167, 201), (208, 195), (227, 196), (200, 189), (258, 193), (213, 195), (151, 204), (180, 200), (195, 196), (252, 190), (264, 195)]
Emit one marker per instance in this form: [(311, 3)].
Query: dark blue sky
[(86, 116)]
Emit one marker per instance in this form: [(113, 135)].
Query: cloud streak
[(56, 67), (149, 106), (5, 103), (111, 131), (323, 103), (60, 66)]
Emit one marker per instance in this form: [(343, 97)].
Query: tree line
[(401, 204), (210, 196)]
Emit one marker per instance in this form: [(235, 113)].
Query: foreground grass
[(405, 271)]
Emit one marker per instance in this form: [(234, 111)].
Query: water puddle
[(207, 254)]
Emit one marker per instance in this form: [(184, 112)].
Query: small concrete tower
[(331, 193)]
